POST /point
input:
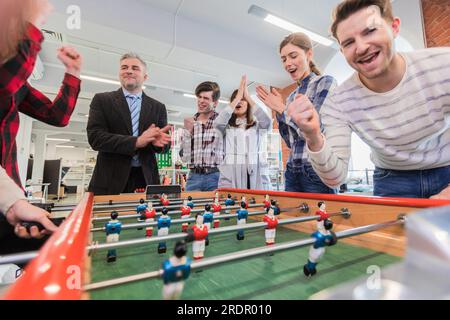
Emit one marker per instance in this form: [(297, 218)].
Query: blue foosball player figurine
[(163, 229), (113, 228), (229, 201), (276, 208), (140, 210), (208, 218), (190, 203), (242, 215), (175, 271), (324, 238)]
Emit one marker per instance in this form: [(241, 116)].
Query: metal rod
[(176, 221), (187, 220), (130, 202), (125, 207), (130, 216), (154, 200), (177, 236), (245, 254), (18, 258), (25, 257), (122, 208)]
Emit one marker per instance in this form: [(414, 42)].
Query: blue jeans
[(410, 184), (202, 182), (305, 179)]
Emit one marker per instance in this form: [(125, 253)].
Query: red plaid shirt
[(205, 144), (18, 95)]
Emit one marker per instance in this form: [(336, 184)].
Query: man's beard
[(132, 86)]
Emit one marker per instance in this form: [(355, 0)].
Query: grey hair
[(132, 55)]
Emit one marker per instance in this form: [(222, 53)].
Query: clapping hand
[(272, 99), (242, 94), (163, 138)]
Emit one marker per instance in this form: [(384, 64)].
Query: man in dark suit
[(127, 128)]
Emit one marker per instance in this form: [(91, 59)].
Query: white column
[(39, 157), (23, 141), (51, 151)]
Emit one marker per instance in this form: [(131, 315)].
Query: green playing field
[(277, 276)]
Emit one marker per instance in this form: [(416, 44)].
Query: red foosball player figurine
[(185, 214), (216, 207), (175, 271), (149, 216), (323, 215), (146, 214), (164, 201), (271, 228), (266, 201), (200, 232)]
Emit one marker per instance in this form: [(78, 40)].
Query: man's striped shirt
[(407, 128)]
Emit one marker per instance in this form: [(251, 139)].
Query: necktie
[(134, 110)]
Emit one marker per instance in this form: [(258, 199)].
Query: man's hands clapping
[(154, 135)]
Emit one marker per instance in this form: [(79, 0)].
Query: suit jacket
[(110, 133)]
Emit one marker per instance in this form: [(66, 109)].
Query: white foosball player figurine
[(9, 273)]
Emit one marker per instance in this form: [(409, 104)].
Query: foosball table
[(257, 245)]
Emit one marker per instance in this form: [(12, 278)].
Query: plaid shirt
[(316, 88), (205, 145), (17, 95)]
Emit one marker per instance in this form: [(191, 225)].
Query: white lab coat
[(245, 152)]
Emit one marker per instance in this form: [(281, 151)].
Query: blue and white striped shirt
[(406, 128)]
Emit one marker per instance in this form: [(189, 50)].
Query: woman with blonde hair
[(20, 43), (296, 51)]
